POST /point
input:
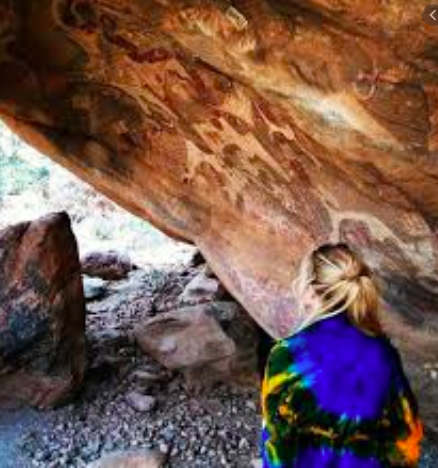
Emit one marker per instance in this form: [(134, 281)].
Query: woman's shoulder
[(338, 335), (341, 326)]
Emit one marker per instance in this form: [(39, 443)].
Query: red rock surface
[(257, 131), (42, 312)]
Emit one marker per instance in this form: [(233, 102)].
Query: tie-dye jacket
[(334, 397)]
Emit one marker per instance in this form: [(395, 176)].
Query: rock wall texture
[(255, 129), (42, 312)]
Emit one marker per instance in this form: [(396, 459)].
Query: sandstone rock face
[(42, 312), (256, 131)]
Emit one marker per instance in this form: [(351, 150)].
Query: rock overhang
[(256, 130)]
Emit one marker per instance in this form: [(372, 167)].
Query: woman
[(335, 394)]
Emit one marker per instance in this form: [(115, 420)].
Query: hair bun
[(355, 270), (343, 282)]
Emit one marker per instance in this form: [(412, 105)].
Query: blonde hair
[(343, 283)]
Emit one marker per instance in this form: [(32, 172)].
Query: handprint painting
[(335, 394)]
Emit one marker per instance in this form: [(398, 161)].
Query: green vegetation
[(17, 174), (31, 186)]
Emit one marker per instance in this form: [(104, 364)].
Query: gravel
[(218, 429)]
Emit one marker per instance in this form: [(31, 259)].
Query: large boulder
[(209, 343), (184, 338), (42, 312)]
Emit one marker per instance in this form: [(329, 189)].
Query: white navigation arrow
[(433, 12)]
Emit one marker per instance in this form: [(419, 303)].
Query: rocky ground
[(131, 402), (214, 430)]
